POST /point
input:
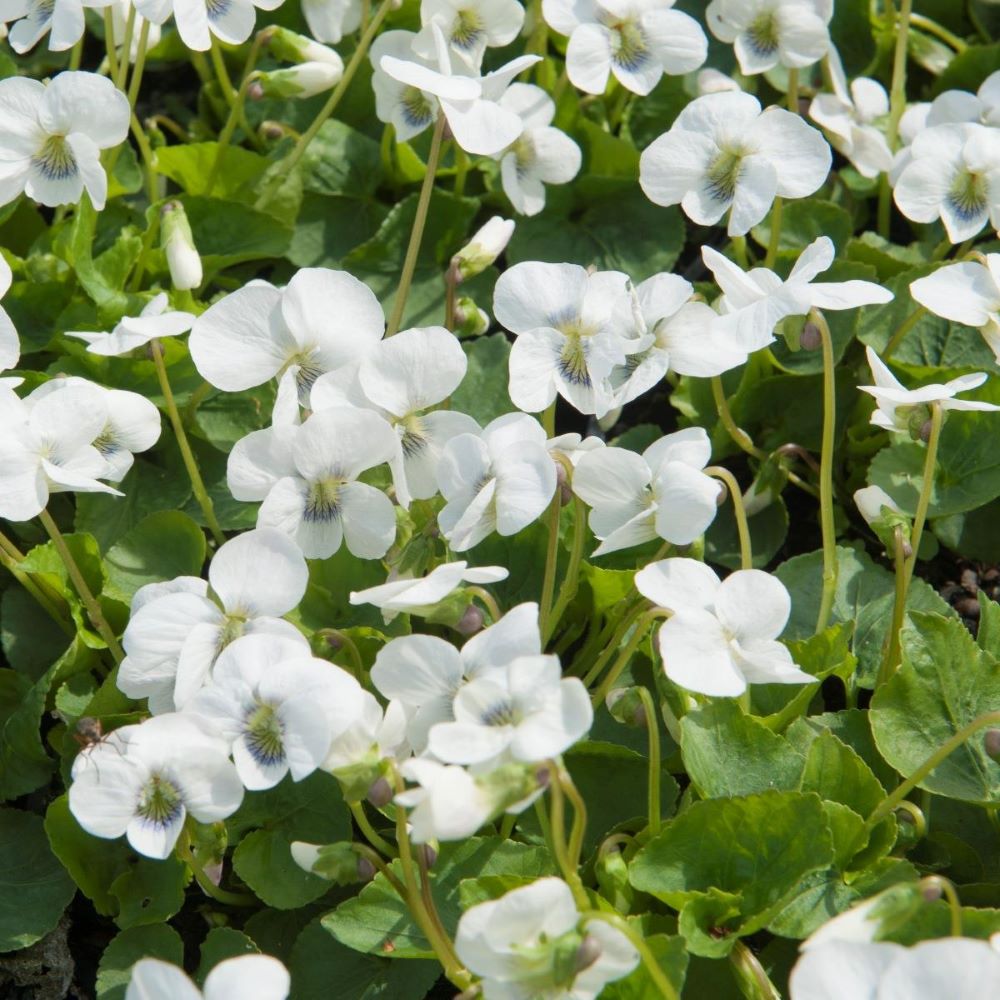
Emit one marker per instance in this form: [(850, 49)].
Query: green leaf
[(324, 969), (623, 233), (805, 219), (704, 923), (944, 683), (221, 943), (190, 166), (115, 970), (649, 118), (329, 228), (728, 753), (757, 847), (969, 68), (483, 392), (377, 921), (836, 773), (768, 530), (850, 29), (105, 295), (668, 951), (264, 861), (30, 641), (34, 887), (162, 546), (341, 161), (150, 891)]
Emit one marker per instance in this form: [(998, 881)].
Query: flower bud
[(274, 131), (470, 320), (810, 339), (335, 862), (471, 621), (991, 744), (290, 46), (589, 952), (932, 889), (304, 80), (484, 248), (178, 243), (430, 855), (563, 485), (626, 706), (366, 870), (380, 793)]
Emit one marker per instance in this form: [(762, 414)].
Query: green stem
[(122, 75), (656, 973), (571, 581), (775, 236), (610, 638), (350, 647), (551, 560), (461, 169), (579, 828), (25, 580), (826, 474), (109, 42), (653, 730), (190, 463), (560, 847), (140, 64), (897, 90), (149, 237), (94, 612), (488, 599), (738, 435), (750, 975), (377, 862), (417, 233), (904, 328), (938, 30), (289, 163), (626, 654), (148, 160), (926, 488), (451, 278), (899, 793), (374, 838), (739, 246), (76, 55), (221, 72), (217, 893), (739, 511), (792, 95), (891, 658)]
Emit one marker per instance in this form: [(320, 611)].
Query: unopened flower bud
[(991, 743), (304, 80), (483, 249), (626, 706), (931, 889), (470, 320), (366, 870), (335, 862), (925, 431), (380, 793), (255, 92), (810, 339), (471, 622), (274, 131), (563, 485), (430, 855), (290, 46), (178, 243), (589, 952), (543, 776)]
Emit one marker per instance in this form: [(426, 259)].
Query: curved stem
[(826, 474), (378, 863), (626, 654), (659, 977), (488, 599), (579, 828), (217, 893), (653, 730), (739, 511), (926, 488), (904, 328), (560, 847), (611, 637), (348, 644), (417, 233), (109, 43), (190, 463), (938, 30), (374, 838), (571, 581), (891, 659), (739, 436), (94, 612), (461, 169), (551, 559), (749, 971), (897, 105), (891, 801)]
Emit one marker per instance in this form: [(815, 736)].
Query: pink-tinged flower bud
[(991, 743), (471, 622), (178, 244), (380, 793)]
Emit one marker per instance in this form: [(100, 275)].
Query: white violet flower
[(252, 977), (155, 321)]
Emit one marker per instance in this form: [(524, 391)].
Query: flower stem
[(899, 793), (891, 658), (738, 435), (739, 511), (660, 980), (187, 855), (10, 563), (571, 581), (560, 848), (190, 463), (122, 74), (933, 28), (827, 524), (451, 278), (904, 328), (290, 161), (626, 654), (488, 599), (417, 233), (653, 730), (579, 816), (109, 42), (775, 236), (140, 64), (90, 602), (461, 169), (551, 559), (375, 839), (792, 95), (926, 487), (897, 105), (610, 639), (750, 974), (364, 851)]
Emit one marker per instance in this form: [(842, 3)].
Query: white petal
[(753, 605), (260, 976), (260, 572), (678, 583), (696, 656)]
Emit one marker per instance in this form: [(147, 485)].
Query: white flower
[(768, 33), (424, 673), (573, 446), (682, 336), (63, 19), (330, 20), (711, 81), (373, 735), (954, 176), (848, 116), (723, 154), (132, 423), (499, 480), (898, 406), (145, 779), (176, 630), (197, 20), (51, 137), (953, 967), (278, 707), (250, 977), (307, 477), (154, 322), (409, 90), (469, 27), (721, 636), (419, 596), (636, 40), (402, 378), (320, 321), (967, 292), (10, 343), (540, 155), (526, 944), (528, 712), (566, 344), (47, 446), (660, 493), (448, 804), (754, 302), (488, 242)]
